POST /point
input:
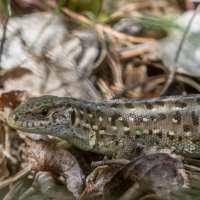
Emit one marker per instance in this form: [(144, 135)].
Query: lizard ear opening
[(73, 117)]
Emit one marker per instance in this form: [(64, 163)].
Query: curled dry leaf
[(45, 156), (71, 171), (158, 173)]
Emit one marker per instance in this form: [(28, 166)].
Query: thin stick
[(5, 28), (16, 177), (102, 28), (110, 162)]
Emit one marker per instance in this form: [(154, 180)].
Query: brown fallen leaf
[(157, 173), (14, 73), (12, 98), (46, 156)]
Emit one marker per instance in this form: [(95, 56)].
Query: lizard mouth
[(12, 123), (19, 125), (15, 123)]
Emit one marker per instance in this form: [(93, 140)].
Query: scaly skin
[(116, 127)]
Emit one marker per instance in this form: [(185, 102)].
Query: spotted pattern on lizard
[(115, 127)]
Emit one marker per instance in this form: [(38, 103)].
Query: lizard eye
[(44, 112)]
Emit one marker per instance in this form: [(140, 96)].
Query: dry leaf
[(158, 173), (45, 156)]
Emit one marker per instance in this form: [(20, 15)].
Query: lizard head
[(44, 115)]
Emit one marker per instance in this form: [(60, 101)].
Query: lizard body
[(115, 127)]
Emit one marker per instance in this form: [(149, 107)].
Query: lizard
[(115, 127)]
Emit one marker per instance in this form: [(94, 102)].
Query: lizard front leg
[(127, 149)]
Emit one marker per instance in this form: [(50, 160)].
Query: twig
[(116, 67), (129, 53), (102, 28), (173, 71), (5, 28), (85, 191), (104, 89), (188, 81), (110, 162), (15, 178), (192, 168)]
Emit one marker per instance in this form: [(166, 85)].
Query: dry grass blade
[(133, 7), (102, 28), (108, 94), (188, 81), (135, 52), (15, 178), (116, 69), (110, 162)]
